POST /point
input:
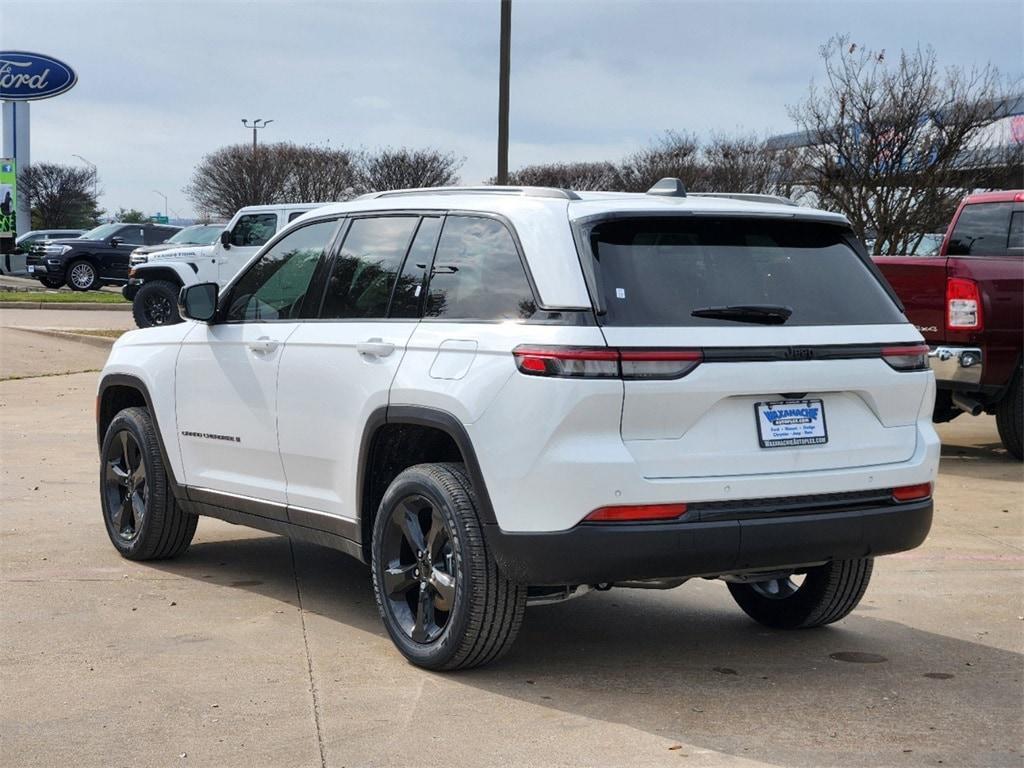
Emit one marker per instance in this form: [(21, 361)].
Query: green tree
[(131, 216), (60, 196)]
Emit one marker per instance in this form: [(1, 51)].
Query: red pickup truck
[(968, 303)]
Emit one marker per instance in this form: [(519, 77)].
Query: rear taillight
[(963, 305), (912, 492), (907, 358), (606, 362), (636, 513)]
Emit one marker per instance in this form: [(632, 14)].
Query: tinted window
[(365, 269), (295, 214), (274, 287), (477, 273), (132, 235), (1016, 241), (657, 271), (981, 230), (254, 229), (405, 299)]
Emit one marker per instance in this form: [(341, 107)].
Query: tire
[(436, 505), (82, 276), (1010, 418), (151, 526), (156, 303), (51, 282), (828, 593)]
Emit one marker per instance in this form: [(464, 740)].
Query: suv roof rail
[(564, 194), (752, 197)]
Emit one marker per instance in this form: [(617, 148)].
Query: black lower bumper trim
[(609, 552)]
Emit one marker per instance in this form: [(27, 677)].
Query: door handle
[(263, 345), (375, 347)]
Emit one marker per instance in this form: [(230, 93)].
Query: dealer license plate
[(786, 423), (31, 269)]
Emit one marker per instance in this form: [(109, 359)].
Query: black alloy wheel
[(419, 577), (125, 486), (157, 309)]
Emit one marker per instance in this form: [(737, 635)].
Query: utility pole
[(95, 175), (256, 124), (503, 77), (165, 200)]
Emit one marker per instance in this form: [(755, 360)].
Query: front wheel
[(1010, 419), (443, 600), (51, 282), (82, 276), (156, 303), (827, 594)]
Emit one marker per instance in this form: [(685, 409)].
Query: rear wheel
[(827, 594), (443, 600), (1010, 418), (82, 276), (142, 517), (156, 303)]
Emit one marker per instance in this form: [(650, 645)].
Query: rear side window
[(405, 300), (477, 273), (658, 271), (132, 235), (364, 271), (981, 230), (1016, 242), (254, 229)]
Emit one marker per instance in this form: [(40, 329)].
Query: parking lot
[(252, 651)]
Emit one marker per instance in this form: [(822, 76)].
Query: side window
[(254, 229), (981, 230), (294, 215), (1016, 242), (156, 235), (405, 300), (365, 269), (274, 287), (477, 274), (132, 235)]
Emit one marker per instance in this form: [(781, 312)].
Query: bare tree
[(894, 145), (240, 175), (319, 174), (408, 168), (744, 164), (60, 195), (578, 175), (673, 155)]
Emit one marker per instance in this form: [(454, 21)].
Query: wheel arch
[(399, 436), (181, 274), (118, 391)]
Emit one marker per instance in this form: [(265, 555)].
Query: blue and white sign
[(26, 76), (787, 423)]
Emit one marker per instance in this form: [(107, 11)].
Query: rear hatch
[(761, 345)]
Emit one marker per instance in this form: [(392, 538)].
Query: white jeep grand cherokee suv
[(502, 395)]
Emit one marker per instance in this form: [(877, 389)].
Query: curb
[(93, 341), (93, 307)]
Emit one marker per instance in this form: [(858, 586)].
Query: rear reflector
[(605, 362), (907, 358), (963, 305), (636, 513), (912, 492)]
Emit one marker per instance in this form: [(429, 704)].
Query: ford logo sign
[(26, 76)]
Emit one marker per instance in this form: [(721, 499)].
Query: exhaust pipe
[(967, 404)]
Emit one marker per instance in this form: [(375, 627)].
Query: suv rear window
[(657, 271)]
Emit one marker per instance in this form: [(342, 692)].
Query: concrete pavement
[(250, 651)]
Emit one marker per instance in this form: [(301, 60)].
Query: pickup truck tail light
[(907, 358), (963, 305), (605, 362)]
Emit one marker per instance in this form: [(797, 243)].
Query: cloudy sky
[(162, 83)]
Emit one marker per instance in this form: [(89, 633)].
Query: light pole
[(165, 200), (505, 47), (92, 165), (256, 124)]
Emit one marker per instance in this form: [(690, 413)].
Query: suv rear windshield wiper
[(766, 314)]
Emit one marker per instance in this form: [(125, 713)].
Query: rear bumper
[(604, 553)]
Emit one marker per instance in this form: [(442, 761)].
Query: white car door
[(250, 233), (338, 370), (226, 388)]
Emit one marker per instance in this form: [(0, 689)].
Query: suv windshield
[(661, 271), (200, 234), (102, 232)]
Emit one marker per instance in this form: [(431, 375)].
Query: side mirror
[(115, 241), (225, 238), (198, 302)]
